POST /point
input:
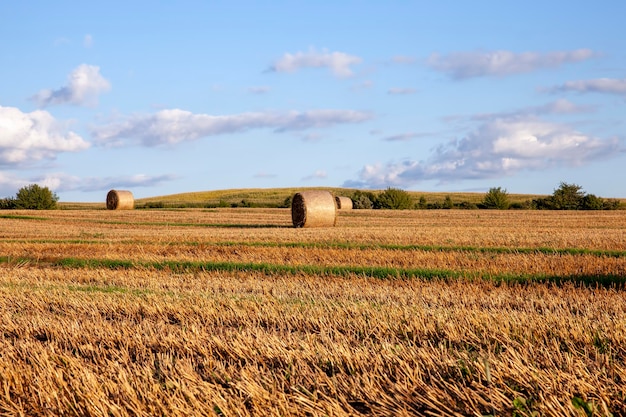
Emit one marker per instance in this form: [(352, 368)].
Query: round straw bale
[(120, 200), (344, 203), (314, 208)]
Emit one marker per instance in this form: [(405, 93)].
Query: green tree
[(568, 197), (592, 202), (363, 199), (7, 203), (394, 198), (34, 197), (496, 198)]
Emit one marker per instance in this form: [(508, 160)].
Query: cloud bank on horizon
[(395, 107)]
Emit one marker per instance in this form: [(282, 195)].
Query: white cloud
[(499, 147), (63, 182), (30, 137), (598, 85), (317, 175), (462, 65), (175, 125), (10, 184), (84, 85), (561, 106), (403, 59), (401, 91), (259, 89), (405, 137), (88, 41), (338, 62)]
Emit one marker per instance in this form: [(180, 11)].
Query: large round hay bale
[(313, 209), (344, 203), (120, 200)]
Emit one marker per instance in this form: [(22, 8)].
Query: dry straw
[(344, 203), (313, 209), (120, 200)]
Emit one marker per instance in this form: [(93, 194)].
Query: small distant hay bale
[(120, 200), (313, 209), (344, 203)]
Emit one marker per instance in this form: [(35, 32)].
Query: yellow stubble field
[(228, 312)]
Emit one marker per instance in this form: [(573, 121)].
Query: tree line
[(565, 197)]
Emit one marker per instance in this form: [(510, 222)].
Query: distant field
[(272, 197), (234, 312)]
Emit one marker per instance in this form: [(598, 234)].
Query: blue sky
[(167, 97)]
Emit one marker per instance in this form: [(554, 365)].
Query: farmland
[(229, 312)]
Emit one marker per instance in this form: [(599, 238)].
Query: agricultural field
[(233, 312)]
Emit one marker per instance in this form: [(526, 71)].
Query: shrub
[(34, 197), (496, 198), (591, 202), (568, 197), (363, 200), (467, 205), (286, 203), (395, 199), (7, 203)]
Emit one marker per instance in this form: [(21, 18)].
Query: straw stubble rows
[(146, 338)]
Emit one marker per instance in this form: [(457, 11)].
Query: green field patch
[(22, 217), (609, 280), (359, 246)]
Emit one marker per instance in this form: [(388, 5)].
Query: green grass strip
[(21, 217), (363, 246), (609, 280)]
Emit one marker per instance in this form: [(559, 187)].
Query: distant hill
[(275, 197)]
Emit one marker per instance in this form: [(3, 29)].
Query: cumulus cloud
[(259, 89), (401, 91), (598, 85), (405, 137), (557, 107), (31, 137), (402, 59), (10, 184), (63, 182), (498, 147), (462, 65), (317, 175), (88, 41), (84, 85), (338, 62), (173, 126)]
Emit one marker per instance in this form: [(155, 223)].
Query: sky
[(168, 97)]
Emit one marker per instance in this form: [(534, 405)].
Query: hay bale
[(120, 200), (313, 209), (344, 203)]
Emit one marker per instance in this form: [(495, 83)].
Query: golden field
[(233, 312)]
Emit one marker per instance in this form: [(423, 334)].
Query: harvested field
[(235, 312)]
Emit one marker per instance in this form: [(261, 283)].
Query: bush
[(7, 203), (568, 197), (467, 205), (363, 200), (286, 203), (395, 199), (496, 198), (34, 197)]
